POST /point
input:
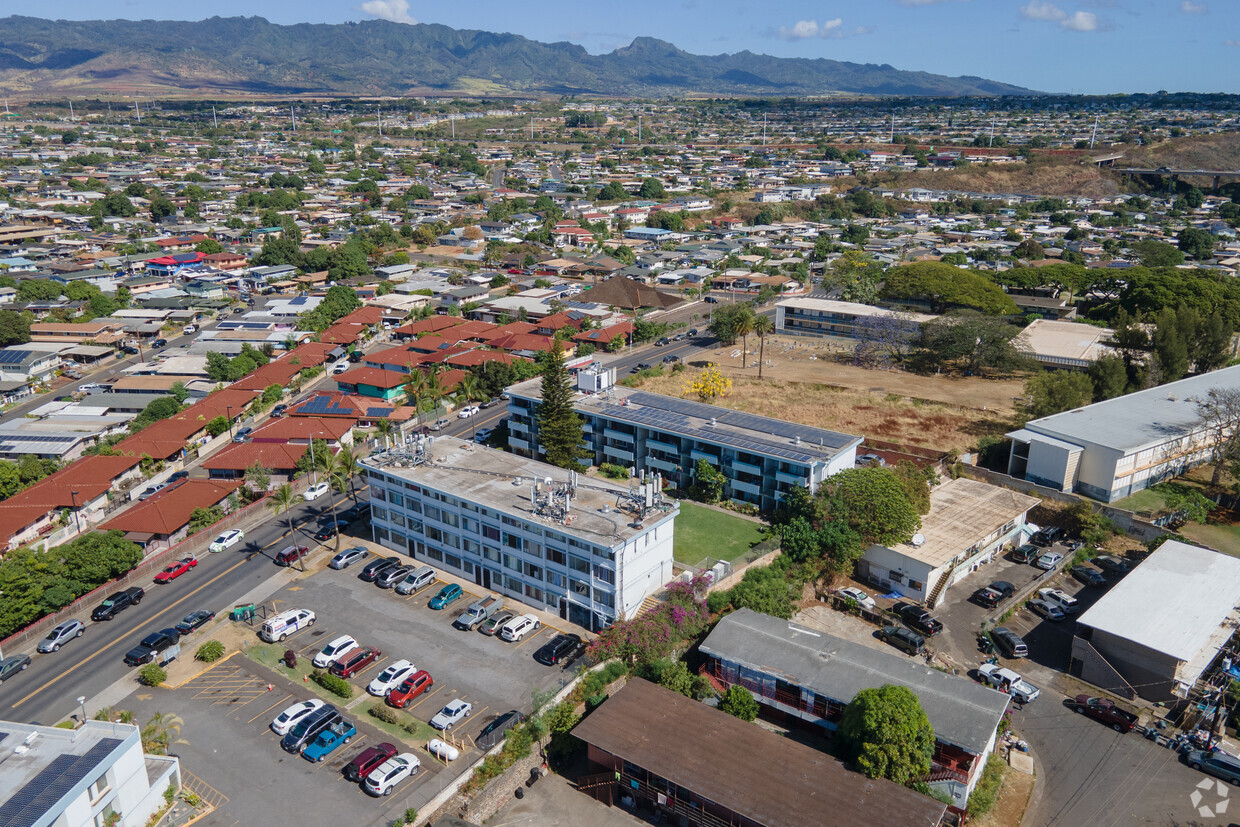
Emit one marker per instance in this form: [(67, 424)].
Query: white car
[(384, 778), (189, 328), (452, 714), (1062, 599), (519, 627), (391, 677), (1005, 680), (335, 650), (863, 600), (467, 412), (228, 539), (289, 718), (339, 368), (1049, 560), (315, 491)]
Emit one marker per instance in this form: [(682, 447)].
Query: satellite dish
[(919, 539)]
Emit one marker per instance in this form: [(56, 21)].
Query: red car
[(360, 767), (355, 662), (412, 687), (175, 570), (290, 555)]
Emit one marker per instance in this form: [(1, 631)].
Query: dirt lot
[(800, 385)]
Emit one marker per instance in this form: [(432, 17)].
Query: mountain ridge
[(253, 55)]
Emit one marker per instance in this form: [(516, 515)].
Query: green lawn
[(1224, 538), (1145, 501), (705, 532)]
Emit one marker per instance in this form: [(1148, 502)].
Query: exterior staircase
[(933, 599)]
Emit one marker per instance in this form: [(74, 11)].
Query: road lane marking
[(99, 652), (268, 709)]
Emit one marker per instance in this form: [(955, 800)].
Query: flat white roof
[(1177, 601), (1056, 341), (850, 308)]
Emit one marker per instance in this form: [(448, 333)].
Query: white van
[(286, 623), (1063, 600)]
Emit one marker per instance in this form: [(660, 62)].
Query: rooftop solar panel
[(52, 783), (13, 357)]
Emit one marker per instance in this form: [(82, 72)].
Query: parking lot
[(228, 709)]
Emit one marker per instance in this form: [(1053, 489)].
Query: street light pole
[(82, 706), (76, 519), (228, 410)]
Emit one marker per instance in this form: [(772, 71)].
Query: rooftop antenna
[(214, 120), (1094, 135)]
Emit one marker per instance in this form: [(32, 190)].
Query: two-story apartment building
[(828, 317), (588, 550), (804, 676), (762, 458)]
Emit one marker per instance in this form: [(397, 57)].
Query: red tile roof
[(363, 316), (229, 402), (169, 510), (89, 476), (523, 341), (310, 354), (604, 335), (376, 377), (290, 428), (276, 456), (429, 325), (478, 356)]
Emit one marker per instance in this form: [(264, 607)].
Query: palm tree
[(328, 464), (762, 325), (432, 388), (742, 327), (415, 390), (161, 732), (281, 501), (348, 468), (384, 429), (468, 389)]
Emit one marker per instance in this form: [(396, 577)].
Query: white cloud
[(805, 29), (1039, 10), (1189, 7), (1081, 21), (396, 11), (1231, 42)]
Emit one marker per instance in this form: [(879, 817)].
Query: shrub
[(410, 816), (739, 702), (410, 726), (987, 790), (336, 686), (152, 675), (384, 713), (210, 651), (615, 472)]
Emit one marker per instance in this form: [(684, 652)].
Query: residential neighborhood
[(613, 460)]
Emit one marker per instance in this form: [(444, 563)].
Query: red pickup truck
[(1101, 709)]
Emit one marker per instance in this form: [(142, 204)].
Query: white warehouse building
[(1114, 448), (586, 549)]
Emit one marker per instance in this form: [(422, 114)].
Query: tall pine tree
[(559, 426)]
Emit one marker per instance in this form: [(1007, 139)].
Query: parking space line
[(423, 699), (529, 637), (366, 668), (256, 697), (268, 709)]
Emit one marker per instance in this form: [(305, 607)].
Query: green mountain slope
[(378, 57)]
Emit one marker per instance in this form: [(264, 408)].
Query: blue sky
[(1078, 46)]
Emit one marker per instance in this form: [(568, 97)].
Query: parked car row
[(316, 729)]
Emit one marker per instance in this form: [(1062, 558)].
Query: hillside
[(375, 57)]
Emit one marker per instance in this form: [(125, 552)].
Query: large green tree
[(971, 342), (1196, 243), (1054, 391), (945, 286), (887, 734), (559, 425)]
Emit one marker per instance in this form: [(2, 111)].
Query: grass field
[(705, 532), (1224, 538), (1145, 501)]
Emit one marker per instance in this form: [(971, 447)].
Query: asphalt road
[(47, 691)]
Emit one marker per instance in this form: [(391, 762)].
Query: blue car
[(328, 740), (446, 595)]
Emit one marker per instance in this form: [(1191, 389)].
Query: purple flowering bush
[(656, 634)]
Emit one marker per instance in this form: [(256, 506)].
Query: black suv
[(560, 650), (117, 602), (151, 645), (493, 732), (908, 642), (374, 568), (918, 619), (1113, 566), (1047, 536), (1009, 643), (308, 728)]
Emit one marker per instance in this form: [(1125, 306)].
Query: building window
[(472, 546), (554, 555), (490, 532), (533, 571), (606, 575), (450, 519), (397, 499), (577, 564), (468, 506), (398, 519), (580, 587), (378, 494), (534, 592), (432, 513), (381, 535), (512, 540), (512, 563), (434, 553), (605, 598), (99, 788), (491, 554), (414, 506), (378, 513), (555, 579), (451, 560)]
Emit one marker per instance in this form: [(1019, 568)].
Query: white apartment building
[(86, 777), (586, 549)]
